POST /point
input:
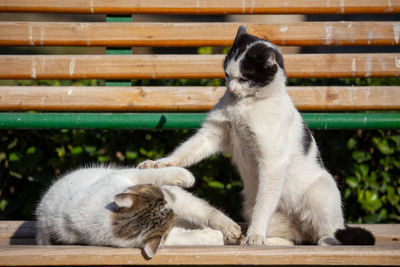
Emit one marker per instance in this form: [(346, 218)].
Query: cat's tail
[(355, 236)]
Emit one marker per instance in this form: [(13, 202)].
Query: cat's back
[(68, 185), (77, 201)]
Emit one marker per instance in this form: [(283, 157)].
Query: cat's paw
[(151, 164), (255, 240), (232, 234), (231, 230), (180, 177)]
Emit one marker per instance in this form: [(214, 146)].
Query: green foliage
[(31, 160), (374, 184), (366, 164)]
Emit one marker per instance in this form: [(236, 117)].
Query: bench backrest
[(81, 106)]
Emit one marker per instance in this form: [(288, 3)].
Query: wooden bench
[(118, 105)]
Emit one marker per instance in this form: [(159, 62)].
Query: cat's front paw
[(232, 234), (255, 240), (180, 176), (231, 230), (152, 164)]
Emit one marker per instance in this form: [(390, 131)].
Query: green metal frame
[(119, 50), (21, 120)]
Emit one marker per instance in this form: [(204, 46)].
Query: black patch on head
[(306, 139), (239, 46), (355, 236), (254, 66)]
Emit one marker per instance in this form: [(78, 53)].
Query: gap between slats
[(221, 7)]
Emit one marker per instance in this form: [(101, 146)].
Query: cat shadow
[(25, 234)]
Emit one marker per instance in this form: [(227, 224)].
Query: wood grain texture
[(75, 98), (15, 235), (25, 255), (189, 66), (221, 7), (196, 34)]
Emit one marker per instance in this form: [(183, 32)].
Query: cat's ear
[(125, 200), (241, 30), (151, 246)]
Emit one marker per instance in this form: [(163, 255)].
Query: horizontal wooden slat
[(75, 98), (189, 66), (221, 7), (29, 255), (196, 34)]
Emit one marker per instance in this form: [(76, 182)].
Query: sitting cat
[(289, 197), (129, 208)]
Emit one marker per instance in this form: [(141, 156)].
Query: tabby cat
[(130, 208)]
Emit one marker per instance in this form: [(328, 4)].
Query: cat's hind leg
[(322, 215), (42, 237), (198, 212), (282, 231)]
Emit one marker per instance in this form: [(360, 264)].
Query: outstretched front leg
[(201, 214), (164, 176), (206, 142)]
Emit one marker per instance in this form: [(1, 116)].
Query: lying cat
[(129, 208), (289, 197)]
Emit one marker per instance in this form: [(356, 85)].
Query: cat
[(289, 196), (130, 208)]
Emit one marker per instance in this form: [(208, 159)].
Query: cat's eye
[(243, 80), (226, 75)]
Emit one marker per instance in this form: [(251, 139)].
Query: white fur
[(286, 194), (77, 208)]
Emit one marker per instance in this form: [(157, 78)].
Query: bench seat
[(17, 249)]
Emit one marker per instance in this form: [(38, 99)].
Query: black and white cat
[(289, 197)]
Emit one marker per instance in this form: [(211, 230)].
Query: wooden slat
[(75, 98), (196, 34), (189, 66), (221, 7), (14, 235), (25, 255)]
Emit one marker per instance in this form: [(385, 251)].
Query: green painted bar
[(119, 50), (181, 120)]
